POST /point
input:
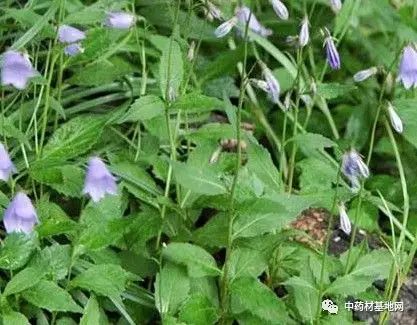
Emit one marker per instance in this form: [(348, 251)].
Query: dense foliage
[(196, 162)]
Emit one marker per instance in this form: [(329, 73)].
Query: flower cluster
[(354, 168), (243, 16), (71, 36), (21, 216), (16, 68)]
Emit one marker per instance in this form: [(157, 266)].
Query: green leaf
[(259, 216), (102, 223), (369, 268), (309, 143), (408, 113), (245, 262), (136, 175), (198, 310), (171, 68), (306, 296), (48, 295), (171, 289), (53, 220), (67, 179), (23, 280), (101, 72), (213, 233), (54, 260), (250, 295), (37, 27), (14, 318), (91, 314), (198, 180), (16, 250), (105, 279), (376, 264), (197, 103), (260, 163), (74, 138), (199, 263), (316, 175), (334, 90), (144, 108)]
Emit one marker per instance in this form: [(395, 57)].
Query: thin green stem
[(226, 267), (327, 244), (168, 125)]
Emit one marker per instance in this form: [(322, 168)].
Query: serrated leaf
[(74, 138), (67, 179), (14, 318), (16, 250), (171, 68), (144, 108), (198, 180), (53, 220), (102, 223), (105, 279), (260, 163), (333, 90), (309, 143), (37, 27), (101, 72), (23, 280), (316, 175), (54, 260), (197, 103), (263, 215), (171, 289), (250, 295), (91, 315), (408, 113), (198, 310), (370, 267), (199, 263), (246, 262), (48, 295)]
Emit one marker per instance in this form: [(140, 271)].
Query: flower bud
[(304, 32), (345, 224), (365, 74), (395, 119)]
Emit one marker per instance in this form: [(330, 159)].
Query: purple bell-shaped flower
[(98, 180)]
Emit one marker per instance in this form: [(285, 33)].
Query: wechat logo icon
[(329, 306)]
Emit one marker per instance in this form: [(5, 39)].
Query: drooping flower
[(225, 27), (16, 69), (261, 84), (7, 167), (354, 168), (365, 74), (332, 54), (20, 215), (336, 5), (274, 88), (244, 14), (345, 224), (191, 51), (73, 49), (396, 122), (304, 37), (120, 20), (68, 34), (98, 180), (214, 11), (280, 9), (408, 67)]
